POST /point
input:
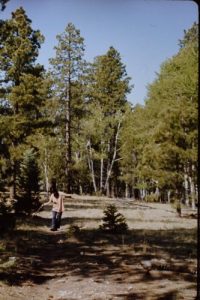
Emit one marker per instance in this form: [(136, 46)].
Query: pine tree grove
[(75, 122)]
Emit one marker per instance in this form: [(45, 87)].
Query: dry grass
[(89, 264)]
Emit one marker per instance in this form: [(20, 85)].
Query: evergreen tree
[(67, 71), (106, 103), (28, 182), (22, 89), (175, 133), (134, 136), (164, 131), (113, 221)]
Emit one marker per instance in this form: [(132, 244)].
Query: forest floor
[(155, 259)]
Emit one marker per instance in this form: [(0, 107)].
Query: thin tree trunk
[(143, 193), (101, 168), (14, 167), (186, 186), (157, 194), (108, 189), (68, 133), (168, 196), (192, 185), (112, 191), (13, 182), (127, 195), (80, 189), (101, 174), (113, 158), (192, 192), (78, 159), (11, 191), (91, 166), (45, 165), (132, 193)]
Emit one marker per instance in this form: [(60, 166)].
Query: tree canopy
[(74, 122)]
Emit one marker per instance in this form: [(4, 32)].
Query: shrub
[(177, 206), (6, 204), (152, 198), (113, 221), (7, 222), (74, 230), (28, 183)]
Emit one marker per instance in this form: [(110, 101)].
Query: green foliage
[(73, 230), (110, 83), (67, 69), (19, 47), (28, 182), (6, 204), (133, 140), (113, 221), (190, 36), (108, 86), (23, 91), (159, 140), (78, 118), (152, 198)]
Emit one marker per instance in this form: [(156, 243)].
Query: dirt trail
[(91, 265)]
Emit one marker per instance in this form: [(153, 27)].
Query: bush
[(26, 204), (113, 221), (7, 222), (6, 204), (176, 204), (28, 183), (152, 198), (74, 230)]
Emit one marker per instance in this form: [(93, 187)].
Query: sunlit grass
[(81, 243)]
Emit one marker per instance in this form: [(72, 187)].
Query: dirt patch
[(156, 259)]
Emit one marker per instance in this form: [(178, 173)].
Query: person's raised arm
[(47, 203), (64, 194)]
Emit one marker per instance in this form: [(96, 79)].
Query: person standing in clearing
[(56, 199)]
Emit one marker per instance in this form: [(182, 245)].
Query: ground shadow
[(42, 255)]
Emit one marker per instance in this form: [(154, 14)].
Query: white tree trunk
[(45, 166), (127, 194), (168, 196), (142, 193), (101, 169), (192, 191), (91, 165), (186, 187), (80, 189), (109, 171)]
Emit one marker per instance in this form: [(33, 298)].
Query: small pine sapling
[(113, 221)]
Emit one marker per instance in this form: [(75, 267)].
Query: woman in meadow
[(56, 199)]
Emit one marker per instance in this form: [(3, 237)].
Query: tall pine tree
[(67, 71), (22, 89)]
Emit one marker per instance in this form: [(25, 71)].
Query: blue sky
[(145, 32)]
